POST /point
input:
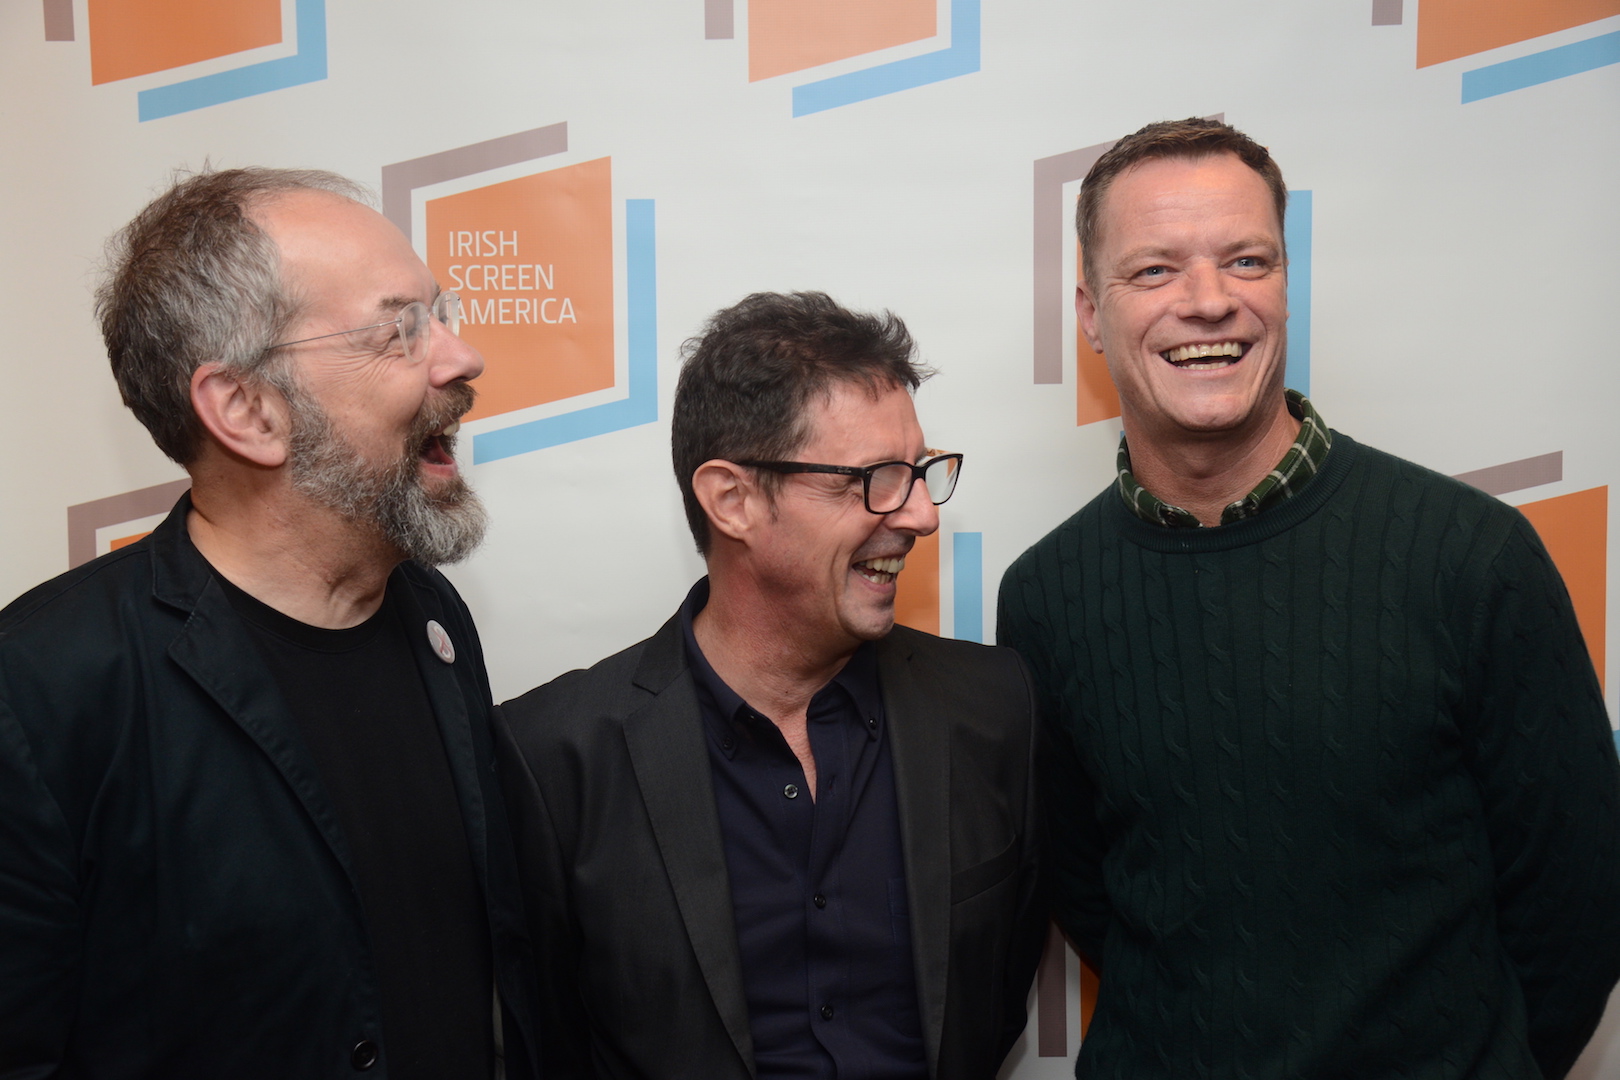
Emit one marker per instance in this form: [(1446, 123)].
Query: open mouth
[(1205, 356), (439, 448), (881, 571)]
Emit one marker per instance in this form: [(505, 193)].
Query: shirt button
[(871, 723), (826, 1012), (791, 791), (726, 745), (819, 900), (364, 1055)]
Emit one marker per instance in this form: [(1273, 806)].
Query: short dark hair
[(192, 280), (1192, 138), (746, 381)]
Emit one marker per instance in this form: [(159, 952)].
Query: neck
[(775, 671), (306, 561), (1206, 475)]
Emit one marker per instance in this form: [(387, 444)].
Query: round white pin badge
[(440, 642)]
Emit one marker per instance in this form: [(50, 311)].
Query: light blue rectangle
[(1541, 67), (307, 65), (960, 58), (967, 583), (1297, 235), (641, 406)]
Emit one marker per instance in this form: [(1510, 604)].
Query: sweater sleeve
[(1067, 796), (1543, 754)]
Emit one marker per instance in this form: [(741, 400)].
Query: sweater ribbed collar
[(1302, 461)]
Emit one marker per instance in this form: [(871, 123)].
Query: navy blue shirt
[(818, 885)]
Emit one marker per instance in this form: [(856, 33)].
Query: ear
[(1085, 317), (248, 418), (729, 496)]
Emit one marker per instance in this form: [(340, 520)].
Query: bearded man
[(248, 820)]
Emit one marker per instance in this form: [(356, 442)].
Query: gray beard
[(433, 528)]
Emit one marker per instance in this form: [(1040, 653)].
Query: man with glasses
[(248, 819), (784, 837)]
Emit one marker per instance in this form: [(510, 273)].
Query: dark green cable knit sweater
[(1331, 791)]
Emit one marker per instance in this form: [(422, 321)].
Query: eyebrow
[(1159, 251)]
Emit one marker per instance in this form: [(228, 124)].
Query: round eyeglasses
[(414, 325), (886, 486)]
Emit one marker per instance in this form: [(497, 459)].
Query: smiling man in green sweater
[(1331, 790)]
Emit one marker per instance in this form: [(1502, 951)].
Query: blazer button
[(819, 900), (791, 791), (364, 1055), (826, 1012)]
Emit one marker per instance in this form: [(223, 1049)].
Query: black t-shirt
[(359, 702)]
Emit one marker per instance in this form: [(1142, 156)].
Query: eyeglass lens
[(891, 485), (414, 320)]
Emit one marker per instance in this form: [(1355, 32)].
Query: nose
[(449, 357), (917, 515), (1207, 296)]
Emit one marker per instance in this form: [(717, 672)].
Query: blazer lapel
[(671, 763), (449, 706), (215, 649), (920, 738)]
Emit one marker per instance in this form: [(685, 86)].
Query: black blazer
[(176, 898), (607, 779)]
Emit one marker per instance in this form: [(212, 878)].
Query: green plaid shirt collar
[(1290, 476)]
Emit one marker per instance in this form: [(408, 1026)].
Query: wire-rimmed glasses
[(414, 322)]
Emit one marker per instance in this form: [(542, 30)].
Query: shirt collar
[(1302, 461), (858, 678)]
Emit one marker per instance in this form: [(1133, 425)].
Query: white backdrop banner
[(596, 179)]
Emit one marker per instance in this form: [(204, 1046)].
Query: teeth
[(1191, 352), (451, 428), (886, 566)]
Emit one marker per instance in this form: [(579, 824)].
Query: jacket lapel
[(215, 649), (922, 764), (449, 705), (671, 763)]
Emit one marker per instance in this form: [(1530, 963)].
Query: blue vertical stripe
[(967, 577), (641, 406), (1297, 235)]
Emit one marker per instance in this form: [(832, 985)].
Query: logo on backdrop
[(222, 51), (529, 245), (1538, 40), (787, 37), (103, 525)]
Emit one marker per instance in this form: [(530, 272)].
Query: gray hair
[(192, 280)]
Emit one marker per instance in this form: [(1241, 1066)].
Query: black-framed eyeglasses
[(415, 324), (886, 486)]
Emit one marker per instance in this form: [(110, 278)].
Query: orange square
[(1448, 29), (533, 261), (792, 35), (916, 597), (138, 37), (1575, 529)]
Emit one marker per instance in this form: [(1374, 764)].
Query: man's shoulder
[(603, 694), (1472, 509), (81, 602), (923, 647), (1092, 520), (952, 669)]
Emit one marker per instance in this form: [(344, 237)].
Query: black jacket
[(176, 899), (626, 882)]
